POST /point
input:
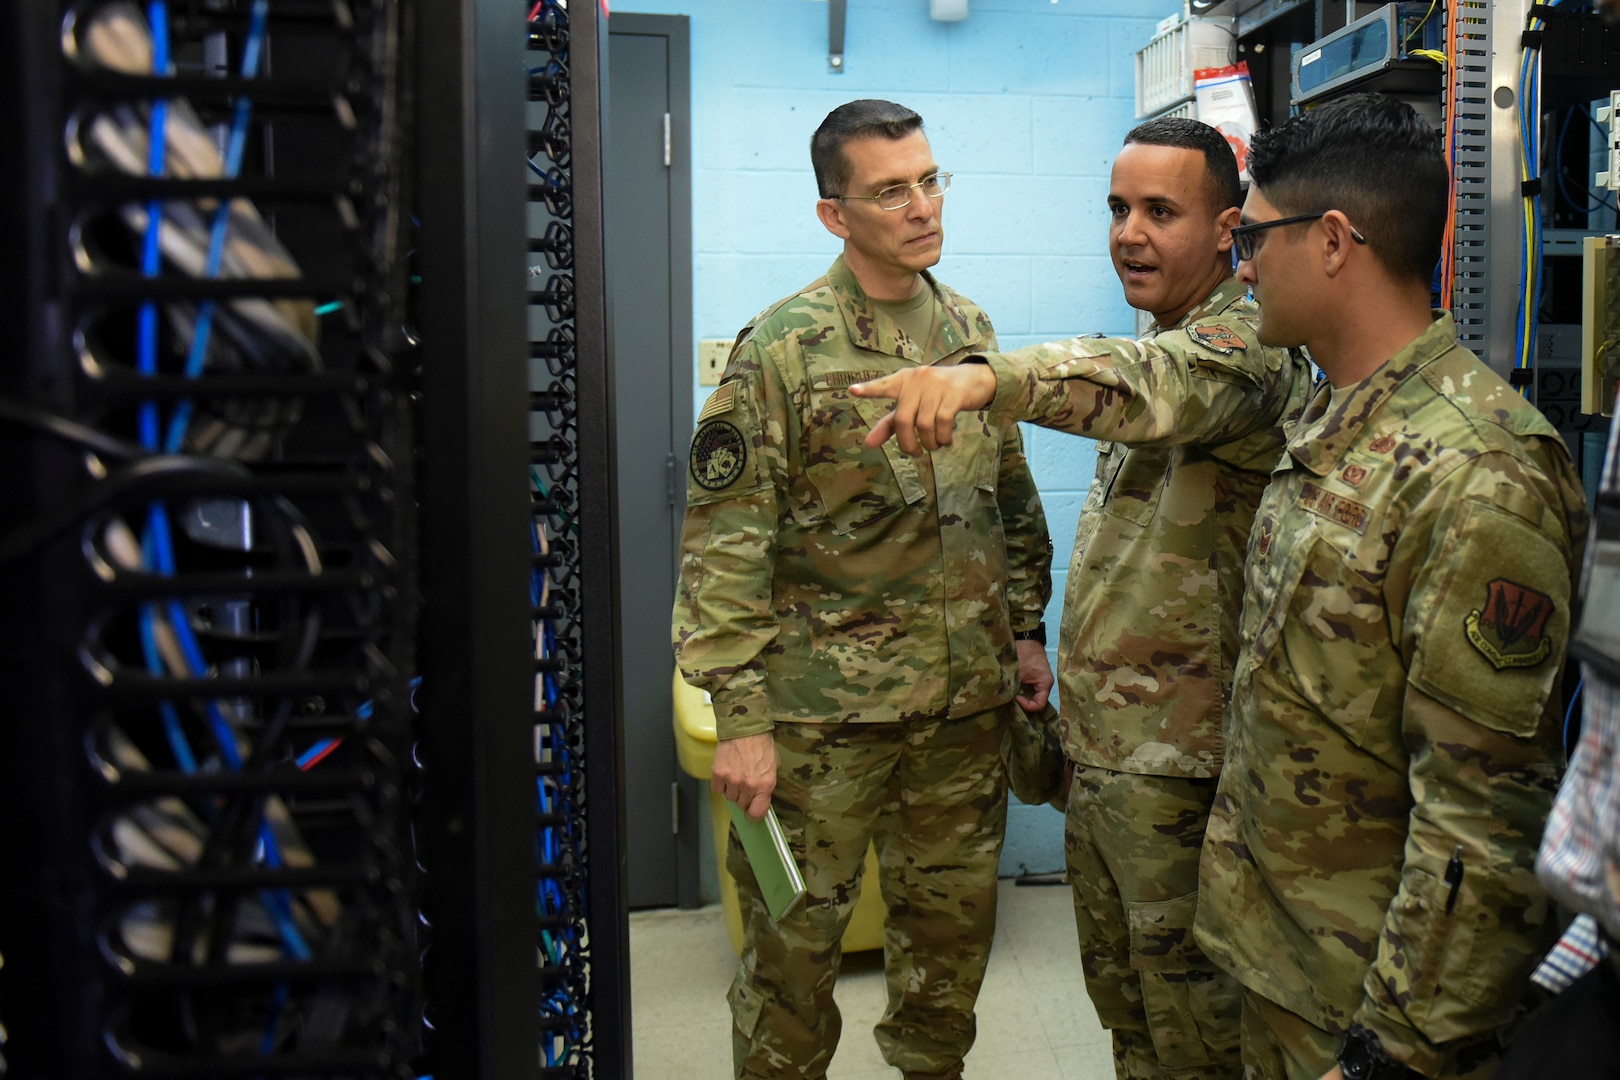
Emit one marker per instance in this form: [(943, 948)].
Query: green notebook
[(768, 853)]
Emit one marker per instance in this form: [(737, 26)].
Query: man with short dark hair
[(1150, 613), (863, 621), (1395, 741)]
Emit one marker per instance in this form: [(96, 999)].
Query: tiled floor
[(1035, 1021)]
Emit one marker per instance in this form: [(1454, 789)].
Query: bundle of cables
[(195, 812), (1530, 262), (205, 238)]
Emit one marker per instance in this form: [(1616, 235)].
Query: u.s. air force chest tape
[(724, 460)]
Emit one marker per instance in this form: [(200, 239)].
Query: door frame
[(691, 799)]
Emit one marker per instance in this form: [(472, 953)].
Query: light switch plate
[(712, 356)]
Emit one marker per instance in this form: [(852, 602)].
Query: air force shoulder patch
[(1511, 629), (1222, 339)]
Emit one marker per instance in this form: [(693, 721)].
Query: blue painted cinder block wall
[(1026, 101)]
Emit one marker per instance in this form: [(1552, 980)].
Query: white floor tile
[(1035, 1021)]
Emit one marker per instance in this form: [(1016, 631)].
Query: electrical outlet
[(712, 356)]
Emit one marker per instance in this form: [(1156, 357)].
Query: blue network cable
[(1569, 717), (157, 543), (258, 17), (1530, 175), (319, 752)]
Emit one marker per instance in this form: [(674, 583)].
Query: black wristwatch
[(1037, 634), (1362, 1057)]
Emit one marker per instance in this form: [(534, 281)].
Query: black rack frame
[(488, 403), (82, 1001)]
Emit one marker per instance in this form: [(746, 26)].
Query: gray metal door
[(649, 267)]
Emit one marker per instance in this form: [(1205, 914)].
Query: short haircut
[(865, 119), (1220, 164), (1375, 159)]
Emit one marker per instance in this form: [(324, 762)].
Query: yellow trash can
[(694, 747)]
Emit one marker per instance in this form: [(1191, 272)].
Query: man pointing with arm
[(1149, 634), (1394, 739)]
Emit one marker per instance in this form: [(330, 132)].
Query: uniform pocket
[(1137, 484), (746, 1006), (855, 485), (1189, 1004), (1425, 964), (1337, 636), (1497, 618)]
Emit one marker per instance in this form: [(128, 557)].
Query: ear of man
[(831, 213), (1225, 222), (1338, 245)]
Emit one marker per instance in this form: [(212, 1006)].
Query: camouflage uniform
[(1407, 608), (1146, 649), (861, 603)]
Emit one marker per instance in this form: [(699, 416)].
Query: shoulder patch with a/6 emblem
[(1220, 338), (1511, 629), (719, 455)]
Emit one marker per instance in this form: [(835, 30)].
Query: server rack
[(207, 617), (275, 498), (527, 972), (584, 895)]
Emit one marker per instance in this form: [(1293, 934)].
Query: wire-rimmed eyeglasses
[(1243, 235), (898, 196)]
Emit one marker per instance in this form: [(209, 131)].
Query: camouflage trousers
[(1133, 844), (932, 796), (1279, 1045)]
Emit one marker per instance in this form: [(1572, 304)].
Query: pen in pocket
[(1454, 873)]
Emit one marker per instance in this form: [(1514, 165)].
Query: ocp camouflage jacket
[(1396, 708), (1150, 611), (822, 581)]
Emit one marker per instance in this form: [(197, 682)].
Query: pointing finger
[(882, 431), (886, 387)]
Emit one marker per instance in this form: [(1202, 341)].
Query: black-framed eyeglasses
[(1243, 235), (898, 196)]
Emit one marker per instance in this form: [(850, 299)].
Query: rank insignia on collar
[(719, 453), (1510, 631), (1220, 338)]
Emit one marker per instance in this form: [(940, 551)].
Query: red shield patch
[(1354, 475), (1382, 445), (1511, 629), (1220, 338)]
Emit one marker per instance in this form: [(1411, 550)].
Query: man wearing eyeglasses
[(863, 620), (1396, 714), (1150, 614), (1393, 748)]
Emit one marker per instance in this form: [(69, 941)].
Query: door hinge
[(669, 479), (667, 141), (675, 808)]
